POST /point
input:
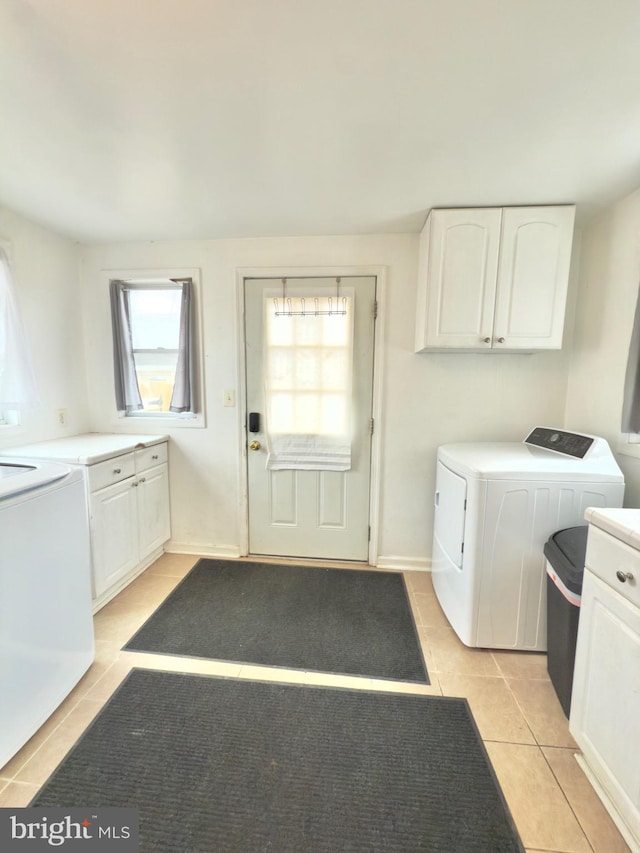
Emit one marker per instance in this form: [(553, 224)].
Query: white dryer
[(496, 504)]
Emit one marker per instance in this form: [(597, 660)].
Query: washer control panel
[(568, 443)]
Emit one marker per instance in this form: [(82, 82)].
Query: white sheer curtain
[(18, 388), (308, 368)]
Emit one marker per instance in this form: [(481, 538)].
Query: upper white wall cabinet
[(494, 279)]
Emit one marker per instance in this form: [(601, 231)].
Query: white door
[(309, 362)]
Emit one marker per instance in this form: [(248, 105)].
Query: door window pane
[(309, 365)]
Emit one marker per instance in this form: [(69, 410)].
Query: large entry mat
[(348, 621), (236, 765)]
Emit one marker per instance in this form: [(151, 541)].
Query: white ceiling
[(170, 119)]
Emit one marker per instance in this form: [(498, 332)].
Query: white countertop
[(84, 449), (624, 524)]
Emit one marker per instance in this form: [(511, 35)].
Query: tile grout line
[(51, 734), (539, 746), (564, 794), (519, 706)]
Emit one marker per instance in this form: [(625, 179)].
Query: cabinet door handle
[(117, 470), (486, 340), (155, 456), (623, 577), (500, 340), (142, 480), (134, 485)]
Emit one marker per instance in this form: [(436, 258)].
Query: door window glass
[(309, 365)]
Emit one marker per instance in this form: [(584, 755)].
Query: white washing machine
[(46, 626), (496, 504)]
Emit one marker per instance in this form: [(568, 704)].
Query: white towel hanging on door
[(308, 452)]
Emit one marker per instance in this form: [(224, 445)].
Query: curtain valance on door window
[(18, 388), (308, 369)]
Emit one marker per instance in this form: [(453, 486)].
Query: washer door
[(449, 514)]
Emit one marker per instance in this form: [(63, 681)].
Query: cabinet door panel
[(605, 705), (153, 509), (463, 261), (533, 273), (114, 535)]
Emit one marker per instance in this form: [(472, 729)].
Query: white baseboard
[(407, 564), (221, 551)]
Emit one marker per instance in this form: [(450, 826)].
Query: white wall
[(609, 279), (45, 267), (427, 399)]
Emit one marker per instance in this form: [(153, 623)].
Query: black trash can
[(565, 553)]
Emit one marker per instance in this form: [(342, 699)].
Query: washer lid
[(18, 476), (523, 461)]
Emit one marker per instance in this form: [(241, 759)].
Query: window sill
[(629, 444), (161, 421), (9, 430)]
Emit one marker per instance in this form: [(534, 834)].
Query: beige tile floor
[(524, 730)]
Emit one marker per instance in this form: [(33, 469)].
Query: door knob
[(255, 445)]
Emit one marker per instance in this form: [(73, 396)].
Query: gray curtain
[(631, 400), (126, 382), (183, 397)]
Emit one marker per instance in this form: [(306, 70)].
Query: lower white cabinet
[(114, 535), (605, 705), (127, 485), (130, 519), (153, 510)]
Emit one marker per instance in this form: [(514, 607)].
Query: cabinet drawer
[(111, 471), (606, 556), (150, 456)]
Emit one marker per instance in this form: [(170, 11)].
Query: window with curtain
[(154, 347), (308, 385), (631, 400), (18, 389)]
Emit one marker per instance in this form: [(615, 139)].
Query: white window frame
[(10, 420), (166, 420), (629, 444)]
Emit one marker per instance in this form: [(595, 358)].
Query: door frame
[(277, 273)]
